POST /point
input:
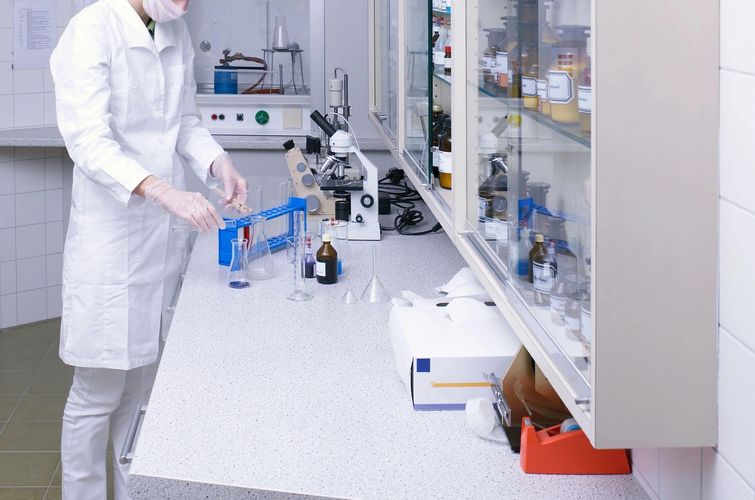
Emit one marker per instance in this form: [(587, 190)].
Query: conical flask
[(375, 292), (280, 35), (259, 259), (238, 270)]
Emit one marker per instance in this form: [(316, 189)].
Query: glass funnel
[(260, 259), (339, 231), (238, 270)]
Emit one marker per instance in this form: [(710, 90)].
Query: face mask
[(163, 11)]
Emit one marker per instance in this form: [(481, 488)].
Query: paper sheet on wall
[(34, 33)]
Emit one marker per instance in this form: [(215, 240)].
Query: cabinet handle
[(501, 405), (382, 117), (126, 453), (582, 401)]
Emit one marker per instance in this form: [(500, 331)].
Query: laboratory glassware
[(300, 293), (280, 36), (238, 271), (340, 231), (375, 292), (260, 259)]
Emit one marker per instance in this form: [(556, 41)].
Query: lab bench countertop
[(259, 397), (49, 137)]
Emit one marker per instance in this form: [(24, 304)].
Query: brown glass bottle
[(327, 262), (445, 166), (438, 119), (538, 255), (447, 61)]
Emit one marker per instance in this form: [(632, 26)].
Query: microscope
[(352, 191)]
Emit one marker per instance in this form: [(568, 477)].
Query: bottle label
[(445, 164), (502, 62), (482, 204), (436, 156), (320, 269), (542, 90), (542, 276), (558, 305), (447, 62), (560, 87), (529, 86), (584, 98), (488, 63)]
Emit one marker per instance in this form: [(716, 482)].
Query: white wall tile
[(9, 311), (7, 178), (30, 175), (737, 35), (680, 470), (31, 274), (48, 84), (6, 13), (64, 12), (28, 110), (32, 306), (720, 481), (7, 278), (6, 78), (30, 241), (7, 211), (51, 114), (6, 112), (737, 130), (645, 462), (7, 244), (55, 237), (53, 205), (54, 302), (28, 81), (28, 153), (54, 269), (736, 400), (6, 44), (30, 208), (737, 274), (54, 171)]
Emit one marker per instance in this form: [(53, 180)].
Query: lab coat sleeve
[(80, 67), (195, 143)]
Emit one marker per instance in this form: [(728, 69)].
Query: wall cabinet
[(584, 188)]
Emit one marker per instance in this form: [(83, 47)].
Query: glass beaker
[(260, 260), (280, 35), (238, 270)]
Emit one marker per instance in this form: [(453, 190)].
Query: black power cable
[(403, 197)]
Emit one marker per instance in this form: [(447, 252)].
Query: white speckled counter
[(259, 397), (49, 137)]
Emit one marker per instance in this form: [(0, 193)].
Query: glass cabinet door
[(416, 84), (529, 165), (386, 72)]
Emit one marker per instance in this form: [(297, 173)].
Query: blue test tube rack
[(277, 242)]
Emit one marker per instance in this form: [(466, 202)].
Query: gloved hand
[(234, 186), (192, 207)]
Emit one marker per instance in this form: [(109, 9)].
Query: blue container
[(226, 82)]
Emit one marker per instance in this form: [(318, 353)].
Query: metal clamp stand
[(269, 55)]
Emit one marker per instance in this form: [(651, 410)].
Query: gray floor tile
[(40, 408), (22, 359), (52, 362), (15, 382), (21, 341), (53, 494), (30, 436), (51, 383), (22, 493), (27, 469), (7, 403)]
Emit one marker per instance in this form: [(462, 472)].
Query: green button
[(262, 117)]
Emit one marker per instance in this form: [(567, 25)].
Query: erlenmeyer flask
[(259, 258), (238, 270), (280, 35)]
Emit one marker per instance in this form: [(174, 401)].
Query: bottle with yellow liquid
[(548, 42), (564, 73), (584, 92), (445, 166), (529, 88)]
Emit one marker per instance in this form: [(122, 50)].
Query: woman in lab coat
[(125, 91)]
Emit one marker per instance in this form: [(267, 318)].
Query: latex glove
[(192, 207), (234, 186)]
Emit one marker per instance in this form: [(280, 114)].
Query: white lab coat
[(126, 109)]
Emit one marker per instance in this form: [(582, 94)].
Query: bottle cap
[(326, 238), (539, 238), (448, 50), (437, 108)]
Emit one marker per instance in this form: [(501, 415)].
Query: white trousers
[(101, 403)]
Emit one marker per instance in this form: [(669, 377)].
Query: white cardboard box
[(445, 354)]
